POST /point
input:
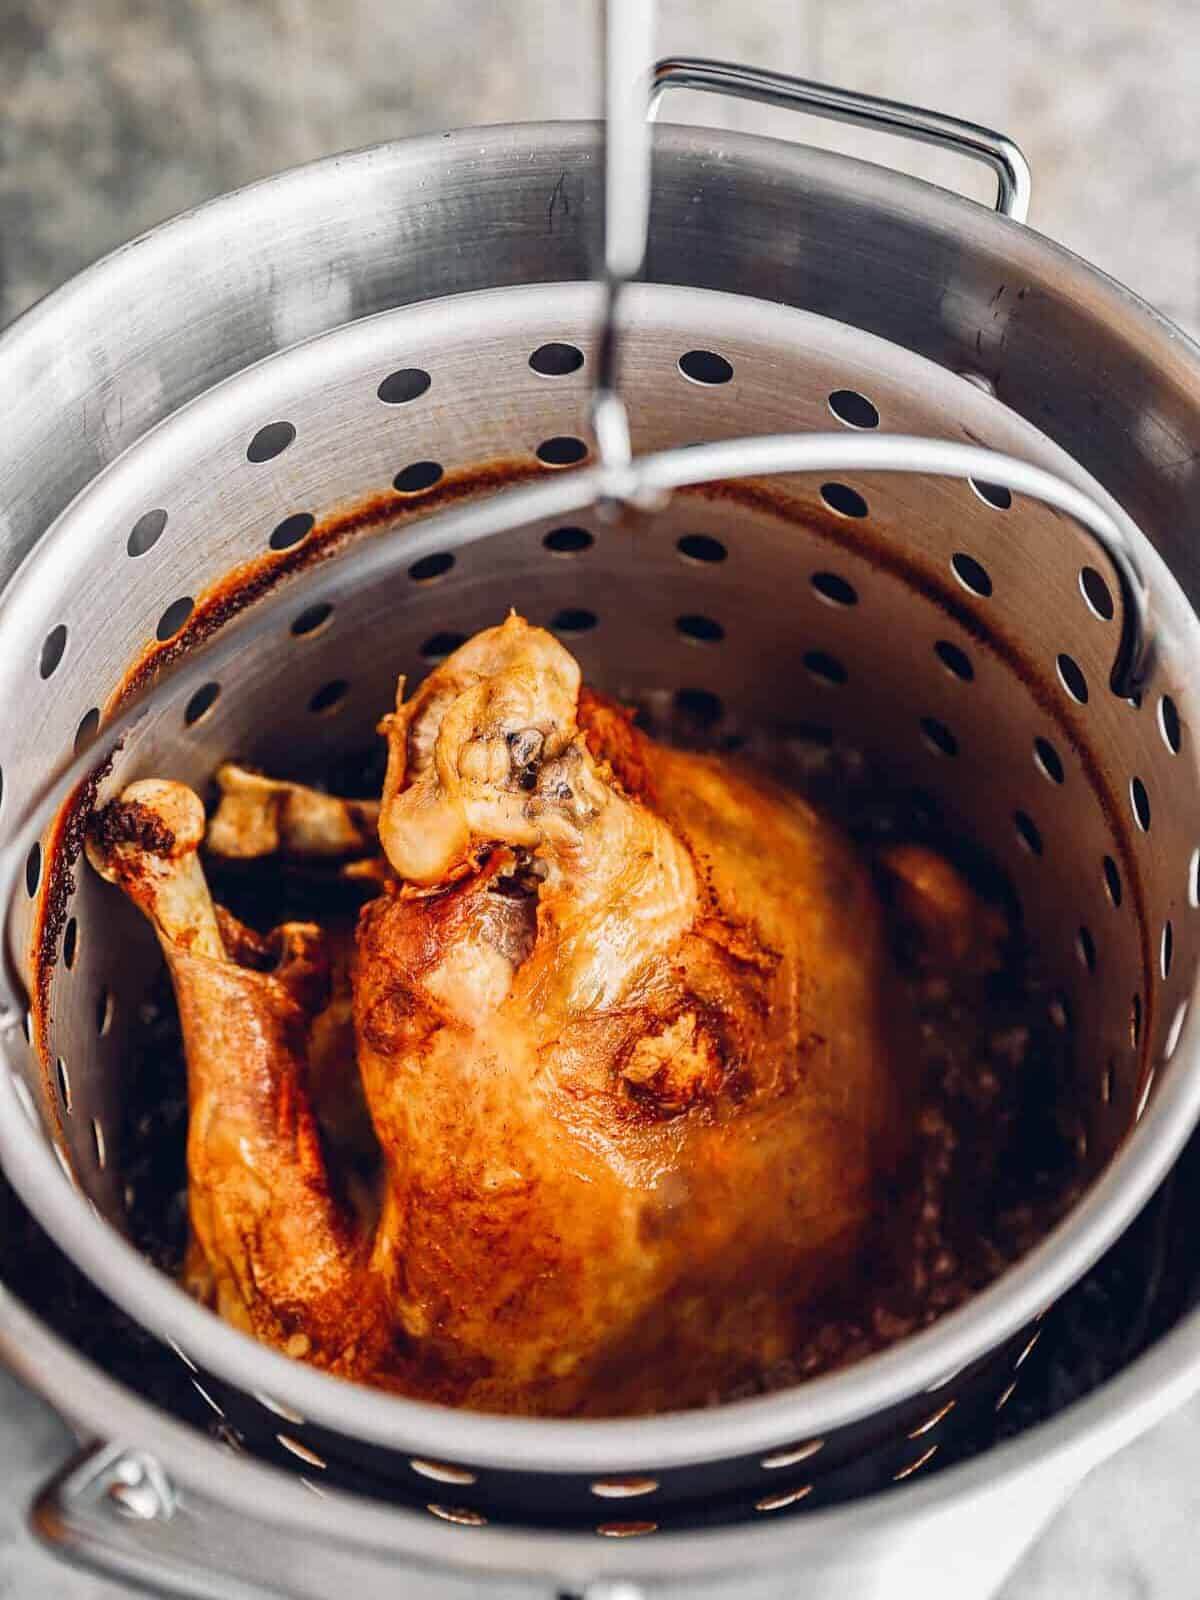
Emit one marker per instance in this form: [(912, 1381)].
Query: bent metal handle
[(1013, 177), (31, 1161), (645, 482)]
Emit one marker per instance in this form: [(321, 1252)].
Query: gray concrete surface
[(117, 113)]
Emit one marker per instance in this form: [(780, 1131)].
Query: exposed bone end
[(465, 751), (246, 823), (146, 841), (260, 816), (152, 817)]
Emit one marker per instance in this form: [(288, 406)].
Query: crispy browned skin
[(632, 1046)]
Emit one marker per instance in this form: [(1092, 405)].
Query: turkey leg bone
[(281, 1258)]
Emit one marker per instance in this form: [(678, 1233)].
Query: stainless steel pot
[(935, 276)]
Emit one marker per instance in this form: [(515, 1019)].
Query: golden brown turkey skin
[(627, 1027), (633, 1047)]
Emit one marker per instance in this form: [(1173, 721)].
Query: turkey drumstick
[(638, 1063)]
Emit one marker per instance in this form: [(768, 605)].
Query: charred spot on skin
[(525, 747), (682, 1063), (740, 1087), (521, 881), (124, 822)]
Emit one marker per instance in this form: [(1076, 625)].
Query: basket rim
[(679, 1439), (809, 1410)]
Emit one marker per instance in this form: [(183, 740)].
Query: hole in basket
[(430, 568), (301, 1451), (329, 697), (792, 1458), (1073, 680), (270, 441), (312, 618), (574, 619), (1027, 832), (417, 477), (33, 870), (70, 942), (847, 502), (1193, 890), (99, 1143), (1176, 1028), (1085, 949), (992, 494), (89, 726), (932, 1421), (53, 646), (700, 547), (972, 574), (1106, 1083), (1056, 1010), (955, 661), (915, 1466), (1140, 800), (701, 630), (556, 360), (789, 1497), (623, 1488), (441, 1472), (104, 1010), (1168, 722), (440, 645), (1097, 594), (146, 532), (824, 667), (705, 366), (854, 409), (1006, 1395), (938, 737), (291, 530), (568, 541), (699, 706), (834, 589), (1166, 950), (173, 618), (278, 1408), (462, 1515), (1048, 760), (201, 703), (626, 1530), (563, 450), (1112, 881), (1135, 1020), (64, 1083), (398, 388)]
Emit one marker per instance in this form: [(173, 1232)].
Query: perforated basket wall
[(960, 636)]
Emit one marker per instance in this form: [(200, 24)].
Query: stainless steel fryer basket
[(936, 542)]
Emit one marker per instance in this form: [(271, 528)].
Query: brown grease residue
[(214, 607), (253, 580), (64, 844)]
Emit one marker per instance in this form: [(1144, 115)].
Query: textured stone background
[(117, 113)]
